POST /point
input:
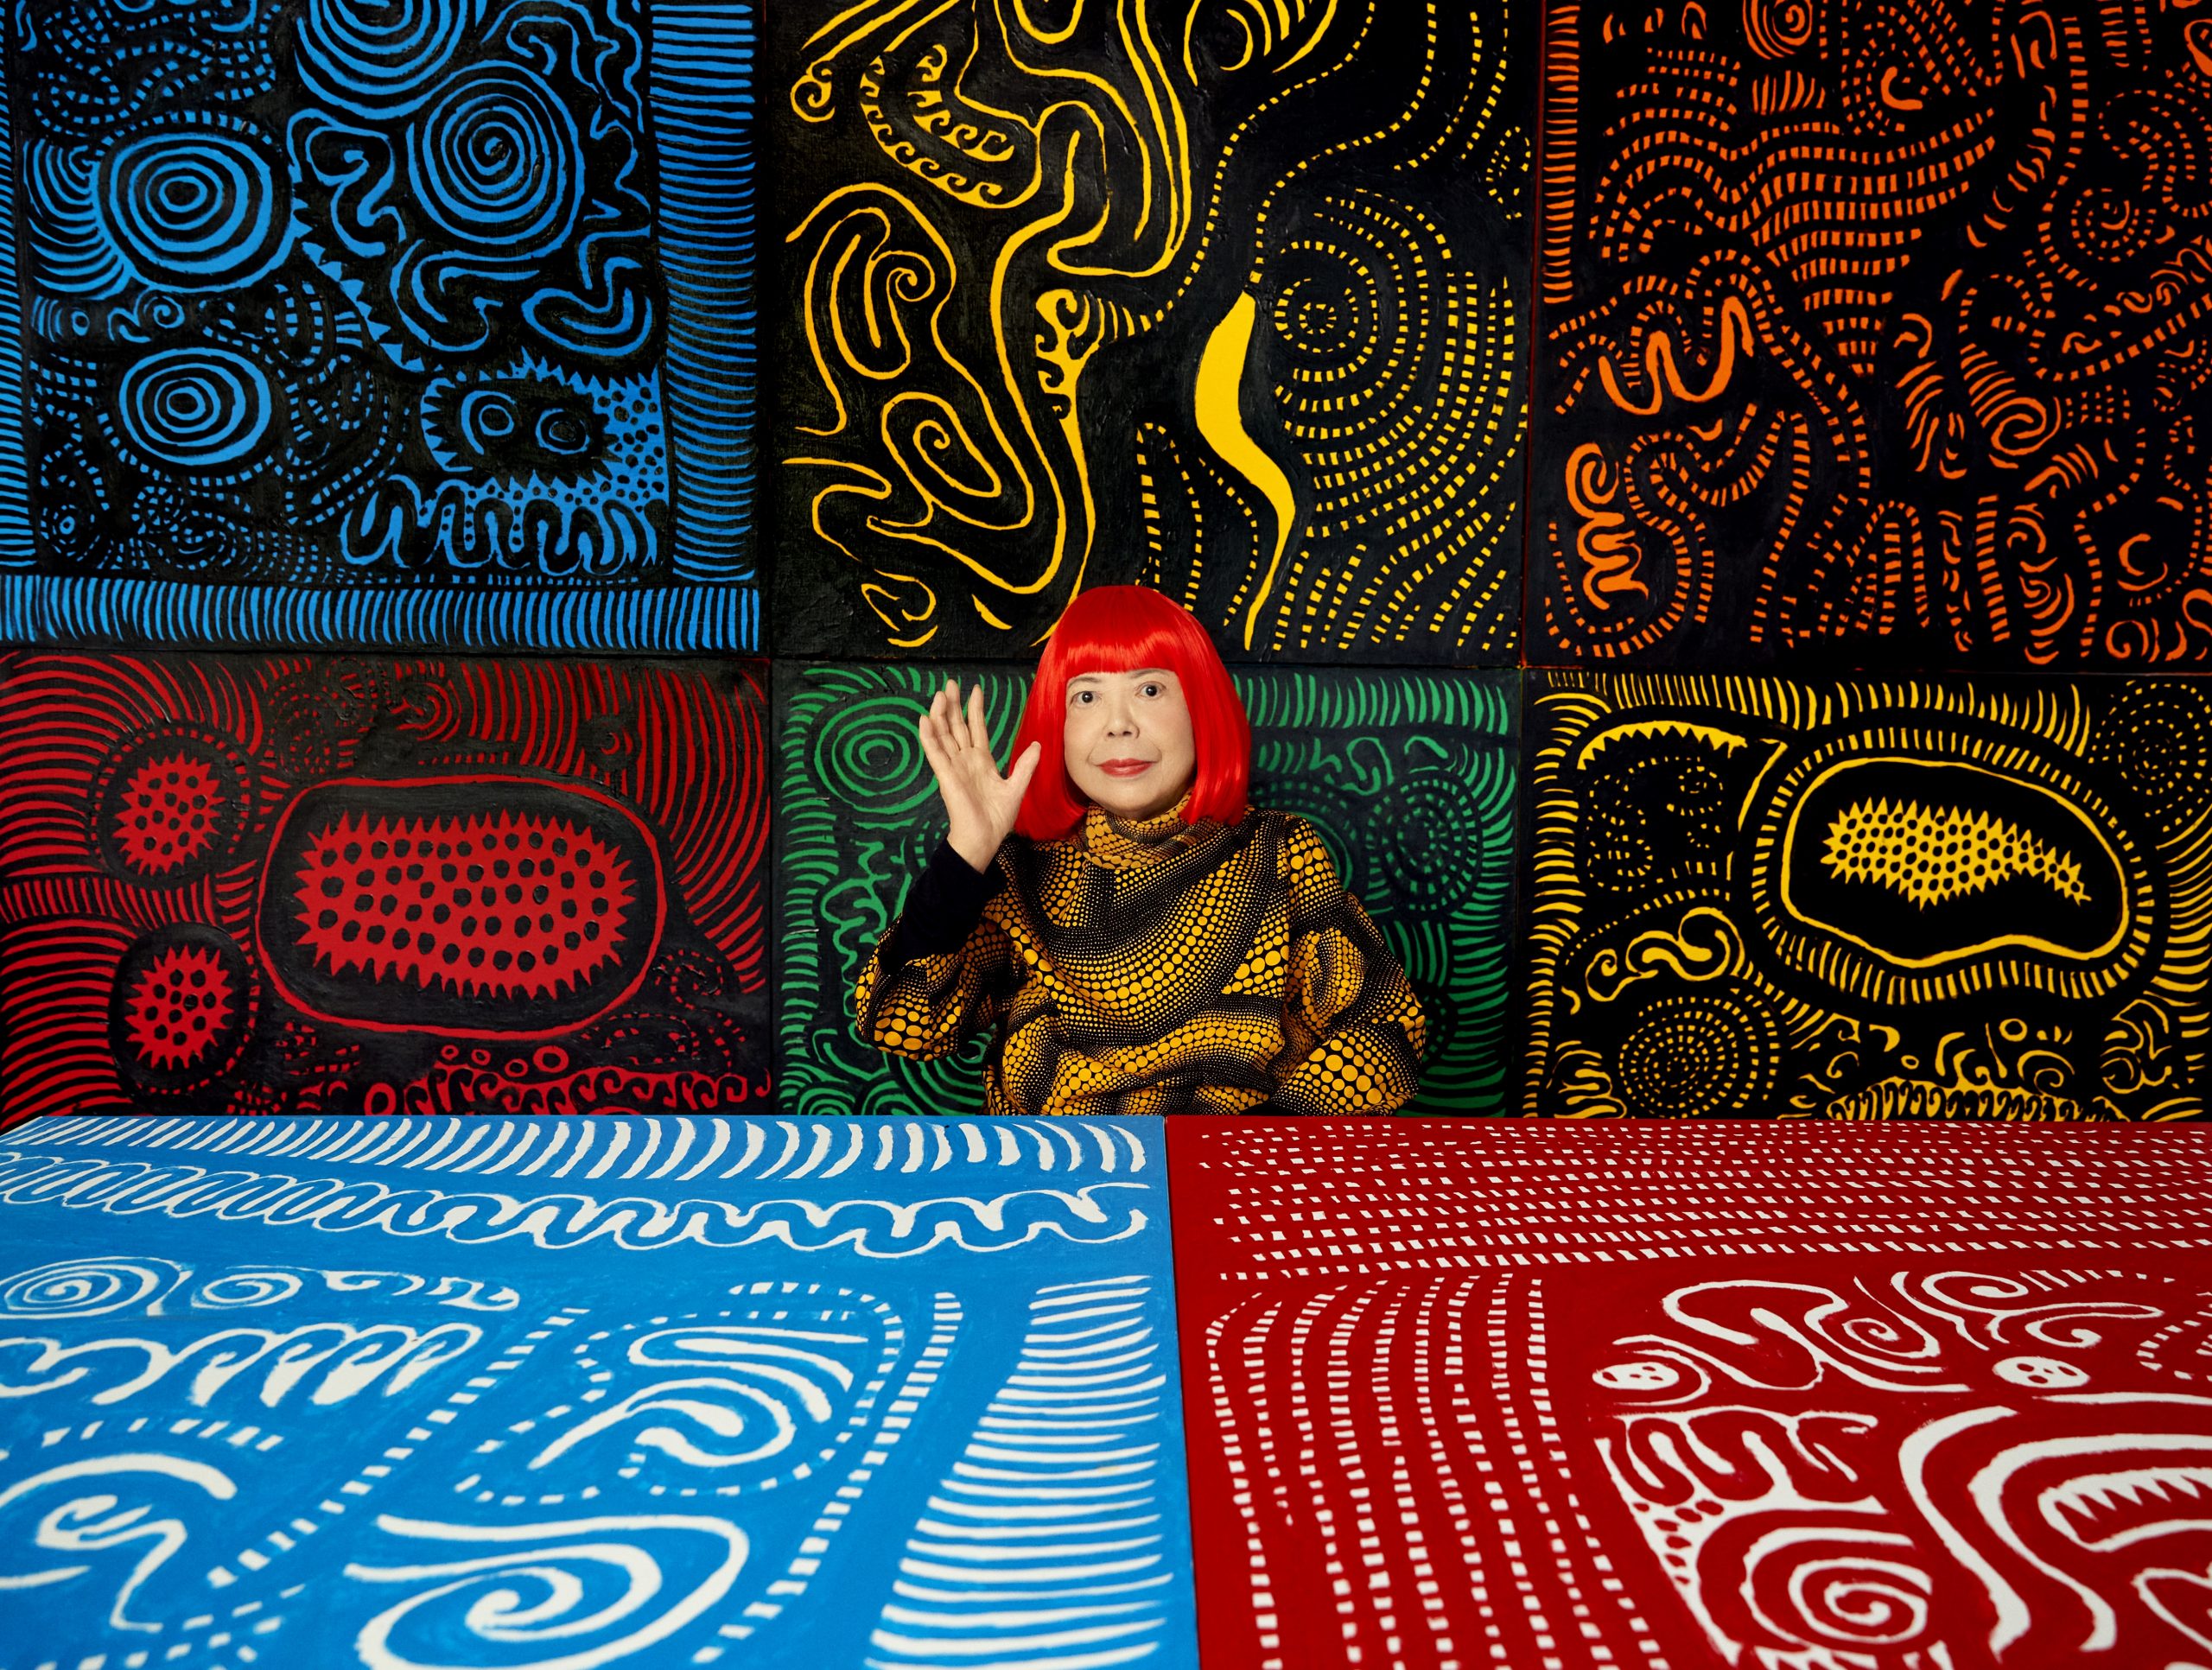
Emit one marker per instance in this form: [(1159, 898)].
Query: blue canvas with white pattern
[(547, 1395)]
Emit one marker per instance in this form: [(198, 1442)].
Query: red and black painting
[(292, 885)]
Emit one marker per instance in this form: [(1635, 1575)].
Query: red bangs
[(1119, 629)]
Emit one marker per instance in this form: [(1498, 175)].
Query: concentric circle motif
[(1431, 841), (495, 159), (196, 207), (373, 55), (868, 755), (1707, 1053), (169, 805), (181, 1009), (198, 409), (2156, 738), (81, 1288)]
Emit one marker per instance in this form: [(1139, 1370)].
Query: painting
[(1712, 1397), (560, 1394), (1230, 300), (1865, 899), (325, 886), (1410, 779), (426, 325), (1872, 331)]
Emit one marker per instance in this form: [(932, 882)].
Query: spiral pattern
[(578, 1593), (247, 1289), (1778, 28), (2159, 737), (1700, 1054), (196, 408), (369, 56), (1830, 1587), (196, 210), (86, 1287), (1432, 846), (495, 160), (869, 757), (1351, 312)]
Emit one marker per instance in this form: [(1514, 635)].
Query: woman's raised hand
[(982, 804)]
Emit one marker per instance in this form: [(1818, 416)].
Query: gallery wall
[(1704, 503)]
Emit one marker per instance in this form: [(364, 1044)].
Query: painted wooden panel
[(1230, 300), (345, 324), (311, 885), (1409, 778)]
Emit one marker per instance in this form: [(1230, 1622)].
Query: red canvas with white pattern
[(1760, 1396)]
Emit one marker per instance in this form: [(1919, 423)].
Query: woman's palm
[(982, 804)]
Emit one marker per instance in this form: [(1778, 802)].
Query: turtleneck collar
[(1121, 843)]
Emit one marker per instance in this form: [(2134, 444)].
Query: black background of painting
[(813, 605)]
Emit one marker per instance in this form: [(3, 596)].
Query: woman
[(1143, 941)]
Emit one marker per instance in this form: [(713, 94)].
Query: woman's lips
[(1125, 767)]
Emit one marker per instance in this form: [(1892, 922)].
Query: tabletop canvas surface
[(1793, 1399), (425, 1392)]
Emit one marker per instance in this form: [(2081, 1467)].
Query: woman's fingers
[(979, 729), (1024, 769), (945, 709), (933, 747)]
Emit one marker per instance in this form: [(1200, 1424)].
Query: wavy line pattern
[(1097, 1212), (1999, 894), (1220, 298), (1044, 1547), (700, 1418), (1879, 328), (678, 1149)]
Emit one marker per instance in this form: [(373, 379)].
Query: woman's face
[(1129, 745)]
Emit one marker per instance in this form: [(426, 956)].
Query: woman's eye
[(1150, 689)]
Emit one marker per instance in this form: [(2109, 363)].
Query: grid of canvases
[(1709, 506), (1707, 509)]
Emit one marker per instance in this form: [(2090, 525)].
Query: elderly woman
[(1141, 940)]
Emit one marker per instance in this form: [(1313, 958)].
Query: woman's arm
[(1355, 1029), (942, 971)]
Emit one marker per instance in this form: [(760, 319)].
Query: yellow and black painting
[(1229, 297), (1946, 898)]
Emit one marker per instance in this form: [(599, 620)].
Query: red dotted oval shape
[(475, 906)]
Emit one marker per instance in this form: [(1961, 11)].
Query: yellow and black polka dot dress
[(1152, 967)]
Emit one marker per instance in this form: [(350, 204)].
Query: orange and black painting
[(1228, 298), (1985, 899), (1874, 331)]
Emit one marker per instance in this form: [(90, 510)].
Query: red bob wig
[(1119, 629)]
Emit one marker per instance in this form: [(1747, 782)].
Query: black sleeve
[(943, 907)]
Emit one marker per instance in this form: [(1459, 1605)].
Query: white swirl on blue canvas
[(545, 1605)]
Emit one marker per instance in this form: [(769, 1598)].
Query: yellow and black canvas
[(1230, 300)]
